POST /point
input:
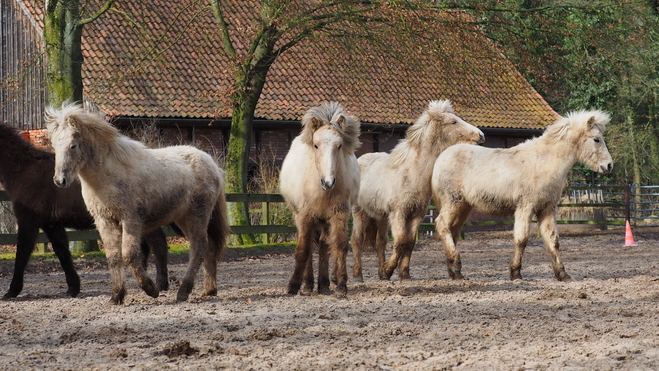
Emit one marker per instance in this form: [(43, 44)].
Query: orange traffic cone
[(629, 239)]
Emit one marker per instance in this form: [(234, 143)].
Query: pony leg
[(195, 231), (521, 239), (132, 256), (449, 217), (358, 238), (302, 253), (156, 242), (210, 269), (27, 237), (402, 243), (547, 223), (307, 277), (111, 235), (60, 242), (411, 229), (339, 235), (381, 239), (323, 265)]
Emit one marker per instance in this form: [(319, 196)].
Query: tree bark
[(62, 38)]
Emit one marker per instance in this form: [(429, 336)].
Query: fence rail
[(265, 229), (639, 204)]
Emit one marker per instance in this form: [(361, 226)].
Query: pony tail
[(218, 227)]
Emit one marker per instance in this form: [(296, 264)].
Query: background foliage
[(589, 54)]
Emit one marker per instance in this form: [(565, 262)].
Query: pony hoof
[(116, 300), (293, 290), (163, 285), (324, 291), (182, 296), (151, 290), (341, 293), (359, 278), (10, 295), (210, 293), (73, 293), (456, 276), (564, 278), (516, 276)]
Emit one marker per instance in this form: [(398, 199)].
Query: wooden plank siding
[(22, 84)]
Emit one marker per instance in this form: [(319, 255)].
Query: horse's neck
[(416, 161), (556, 159)]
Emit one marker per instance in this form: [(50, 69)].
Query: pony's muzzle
[(606, 169), (328, 184), (61, 182)]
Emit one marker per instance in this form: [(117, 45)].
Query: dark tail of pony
[(370, 234), (218, 227)]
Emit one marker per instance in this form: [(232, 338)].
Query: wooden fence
[(614, 198), (264, 229)]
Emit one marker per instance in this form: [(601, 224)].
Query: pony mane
[(330, 113), (577, 122), (93, 129), (415, 133)]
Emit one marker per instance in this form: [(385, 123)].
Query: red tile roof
[(178, 69)]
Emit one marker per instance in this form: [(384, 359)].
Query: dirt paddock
[(606, 318)]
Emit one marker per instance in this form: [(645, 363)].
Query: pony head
[(70, 128), (584, 130), (440, 127), (332, 134)]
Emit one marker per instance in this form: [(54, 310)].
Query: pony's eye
[(340, 146), (453, 122), (315, 146), (597, 140), (74, 145)]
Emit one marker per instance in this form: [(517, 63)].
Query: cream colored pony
[(526, 180), (395, 188), (130, 190), (319, 180)]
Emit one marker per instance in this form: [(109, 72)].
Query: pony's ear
[(591, 122), (314, 124), (341, 121)]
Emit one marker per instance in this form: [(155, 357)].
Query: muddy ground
[(606, 318)]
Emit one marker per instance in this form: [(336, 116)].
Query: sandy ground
[(606, 318)]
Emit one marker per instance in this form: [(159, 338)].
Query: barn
[(170, 72)]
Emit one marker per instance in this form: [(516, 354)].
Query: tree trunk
[(247, 94), (62, 38)]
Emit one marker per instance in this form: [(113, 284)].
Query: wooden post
[(265, 220), (627, 202)]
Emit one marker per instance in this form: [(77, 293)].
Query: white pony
[(526, 180), (130, 189), (319, 180), (395, 188)]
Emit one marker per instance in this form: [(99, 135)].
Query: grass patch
[(177, 252)]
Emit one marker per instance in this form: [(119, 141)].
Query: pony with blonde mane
[(526, 180), (395, 188), (131, 190), (319, 180)]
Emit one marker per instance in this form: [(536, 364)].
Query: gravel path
[(606, 318)]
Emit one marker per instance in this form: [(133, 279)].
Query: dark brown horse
[(26, 173)]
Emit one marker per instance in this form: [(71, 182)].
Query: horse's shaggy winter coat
[(319, 180), (130, 189), (526, 180), (395, 188), (26, 174)]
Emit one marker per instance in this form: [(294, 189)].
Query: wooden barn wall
[(22, 84)]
